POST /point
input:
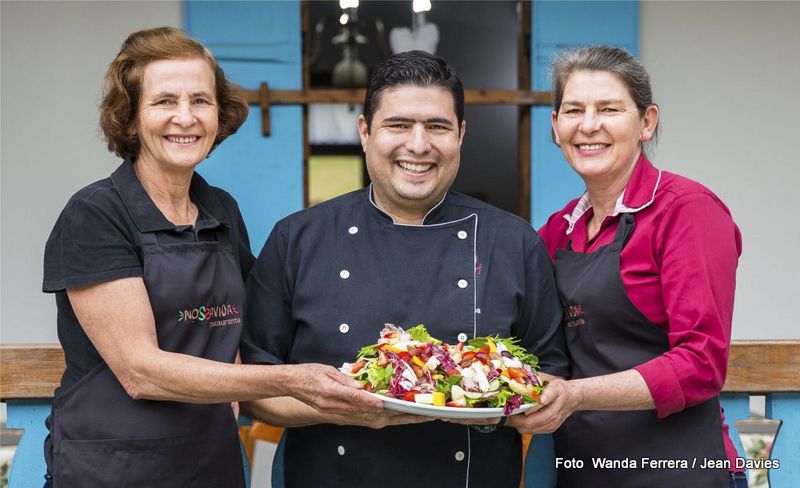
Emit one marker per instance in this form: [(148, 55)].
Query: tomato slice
[(409, 395), (358, 366), (517, 374)]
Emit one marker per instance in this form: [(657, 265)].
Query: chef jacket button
[(462, 235), (344, 328), (461, 283), (462, 337), (340, 449), (353, 230), (344, 274), (460, 456)]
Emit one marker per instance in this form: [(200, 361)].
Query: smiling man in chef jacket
[(405, 250)]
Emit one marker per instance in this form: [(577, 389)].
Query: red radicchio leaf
[(512, 404)]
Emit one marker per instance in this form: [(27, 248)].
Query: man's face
[(413, 149)]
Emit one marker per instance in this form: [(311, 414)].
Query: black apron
[(103, 438), (605, 334)]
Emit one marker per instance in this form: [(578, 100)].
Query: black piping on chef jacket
[(330, 276)]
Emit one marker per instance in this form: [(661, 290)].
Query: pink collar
[(640, 193)]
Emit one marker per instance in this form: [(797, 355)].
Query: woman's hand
[(329, 391), (559, 400)]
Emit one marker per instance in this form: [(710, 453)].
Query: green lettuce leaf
[(518, 351), (368, 351), (420, 333), (445, 384), (500, 400), (380, 376)]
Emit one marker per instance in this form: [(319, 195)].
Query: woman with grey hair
[(645, 264)]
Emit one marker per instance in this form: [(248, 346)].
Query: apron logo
[(573, 316), (216, 316)]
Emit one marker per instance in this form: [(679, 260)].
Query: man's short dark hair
[(412, 68)]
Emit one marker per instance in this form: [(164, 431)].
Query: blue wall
[(556, 26), (256, 42)]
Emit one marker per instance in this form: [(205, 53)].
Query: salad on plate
[(485, 372)]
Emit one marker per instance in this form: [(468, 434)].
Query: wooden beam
[(305, 25), (524, 113), (263, 101), (764, 367), (34, 370), (30, 370), (477, 97)]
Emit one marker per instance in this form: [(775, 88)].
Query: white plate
[(448, 412)]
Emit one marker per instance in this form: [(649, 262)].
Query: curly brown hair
[(123, 86)]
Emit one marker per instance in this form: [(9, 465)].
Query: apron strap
[(148, 239), (624, 229), (222, 233)]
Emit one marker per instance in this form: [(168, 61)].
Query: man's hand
[(329, 391), (559, 400), (381, 420)]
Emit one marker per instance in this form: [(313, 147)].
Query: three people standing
[(644, 261)]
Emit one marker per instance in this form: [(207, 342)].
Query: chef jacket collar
[(145, 214), (431, 216), (639, 193)]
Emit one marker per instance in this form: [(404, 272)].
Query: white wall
[(54, 55), (726, 75)]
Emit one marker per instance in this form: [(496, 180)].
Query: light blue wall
[(256, 42), (557, 25), (28, 468), (784, 407)]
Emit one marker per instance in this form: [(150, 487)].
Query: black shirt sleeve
[(89, 244), (541, 312), (269, 326)]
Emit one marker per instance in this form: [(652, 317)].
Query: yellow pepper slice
[(490, 342), (438, 398), (416, 360)]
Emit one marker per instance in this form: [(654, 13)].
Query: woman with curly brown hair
[(148, 270)]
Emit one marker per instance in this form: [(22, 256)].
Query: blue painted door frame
[(557, 25), (256, 42)]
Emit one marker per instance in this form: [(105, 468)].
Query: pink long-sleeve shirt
[(679, 270)]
